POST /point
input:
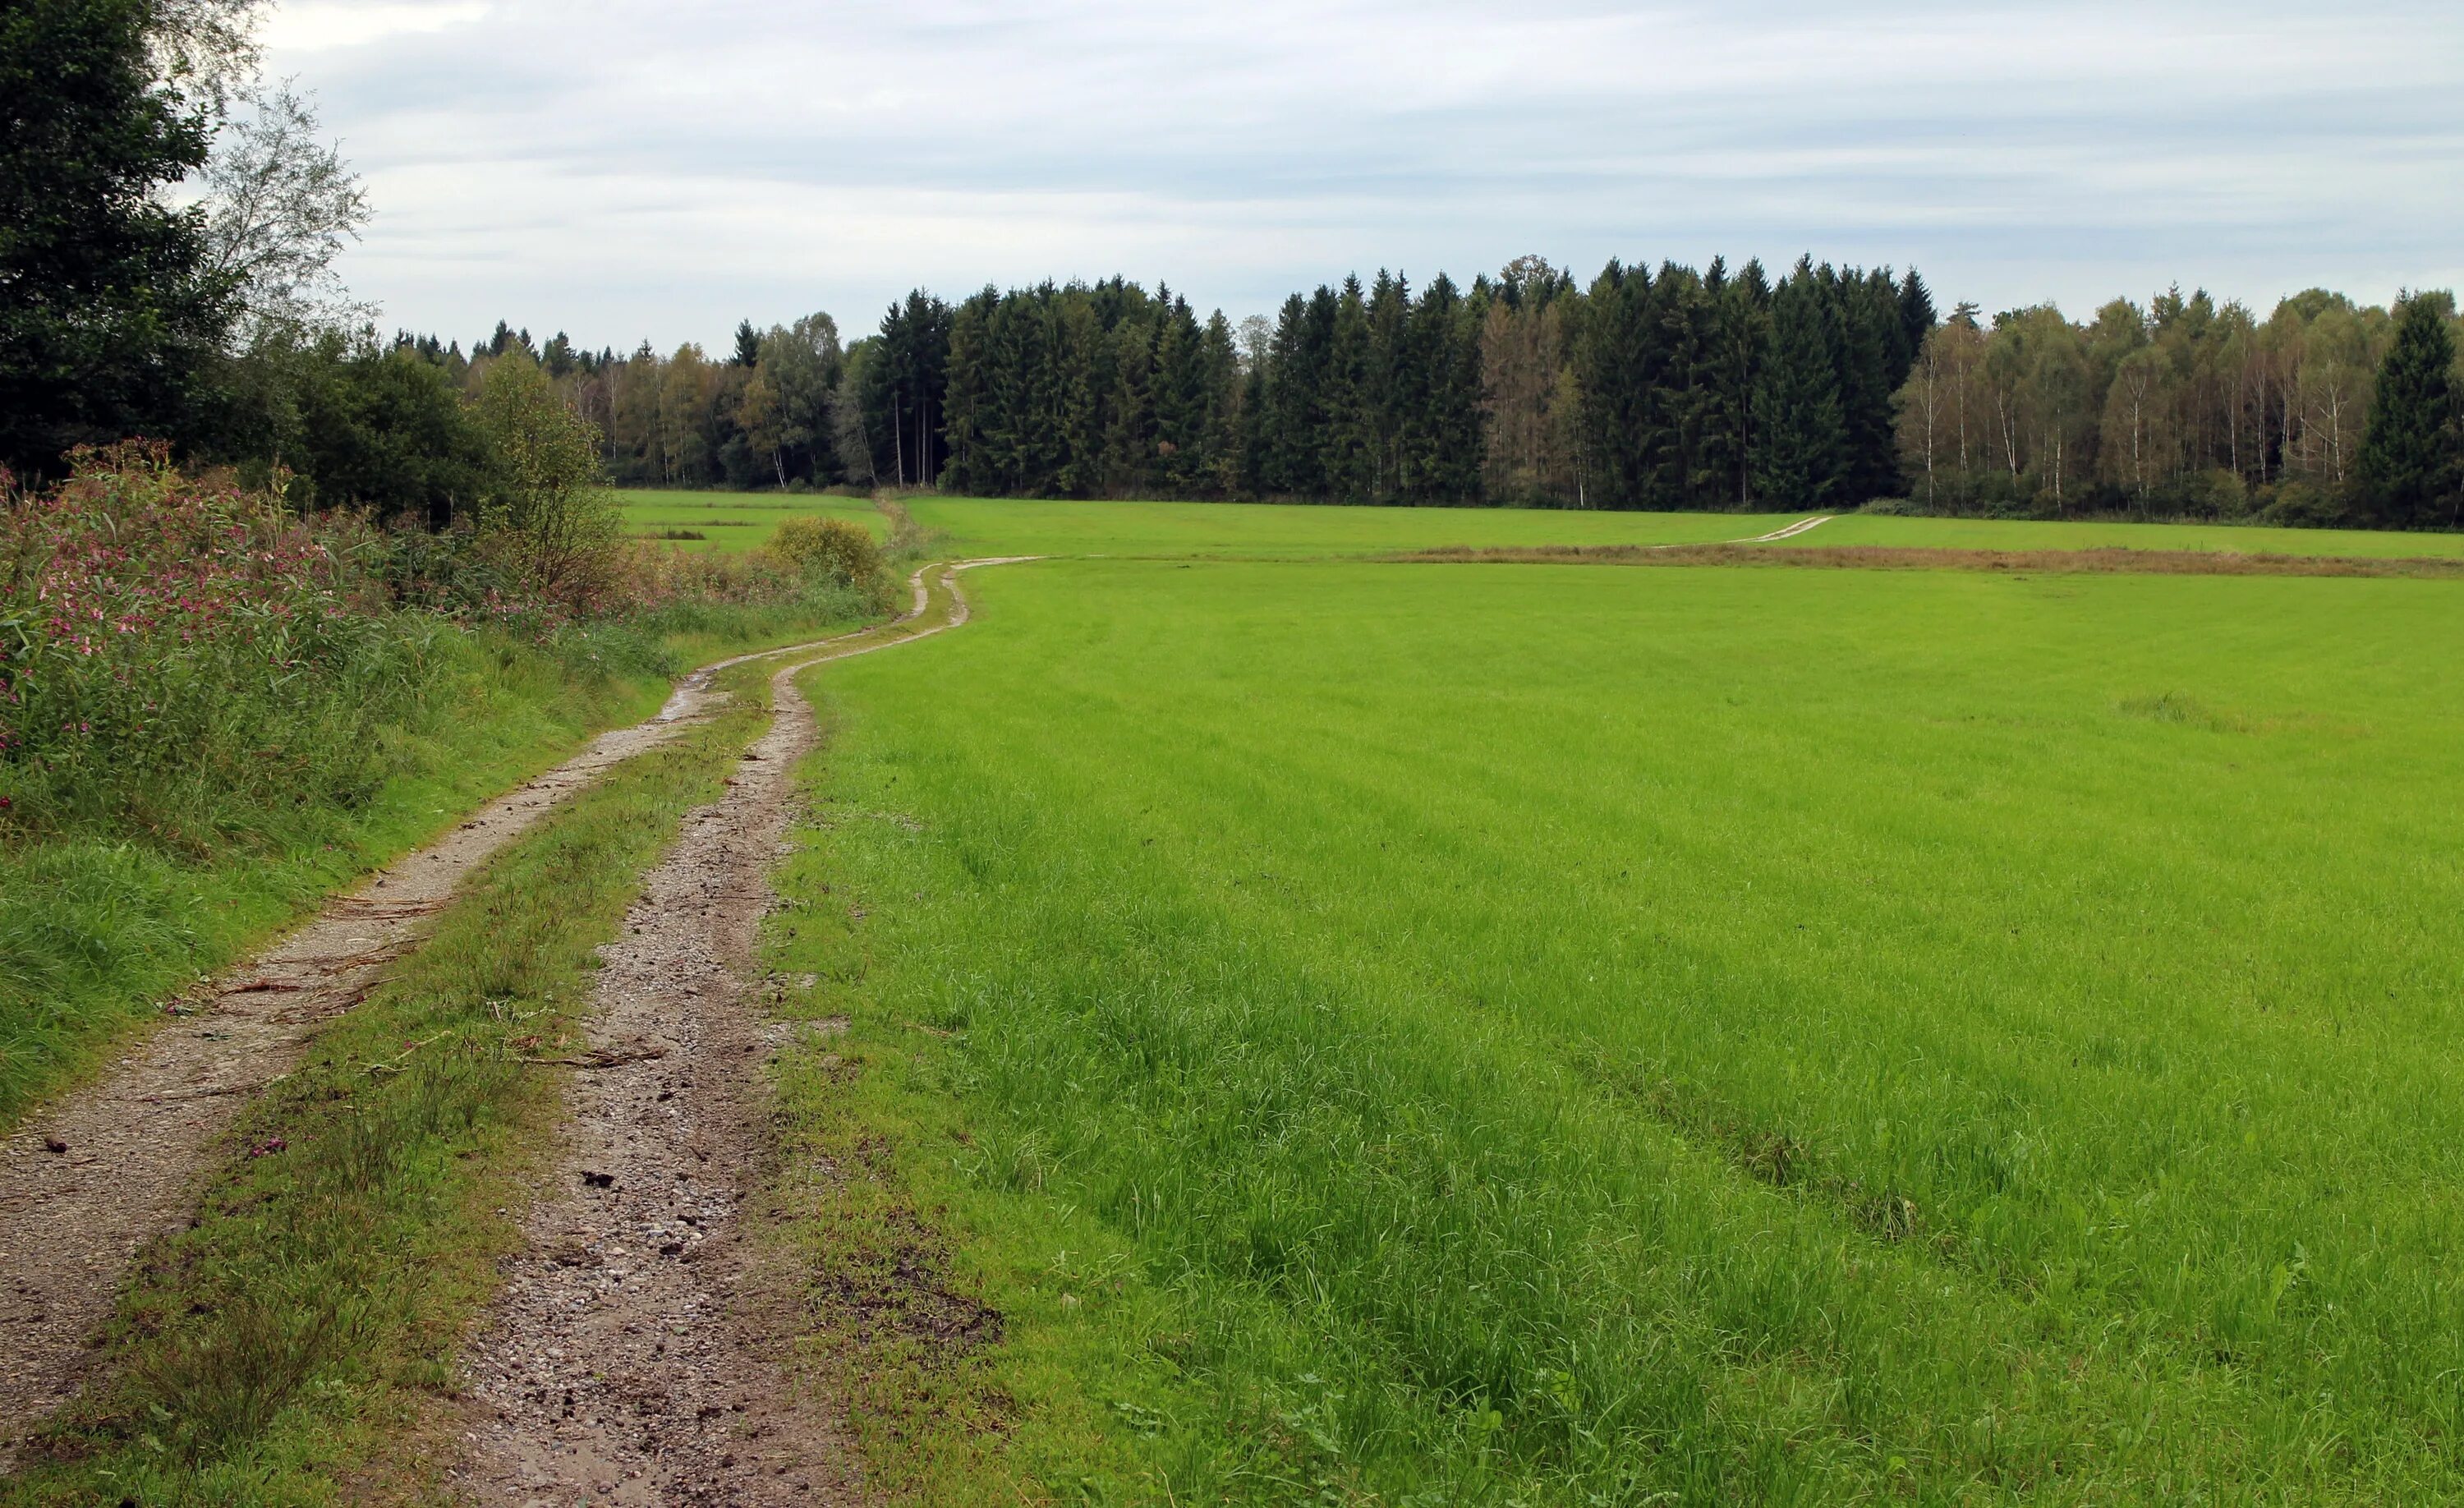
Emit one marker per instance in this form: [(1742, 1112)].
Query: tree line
[(2324, 412), (212, 321), (1668, 389)]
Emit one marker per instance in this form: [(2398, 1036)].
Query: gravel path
[(88, 1179), (639, 1350)]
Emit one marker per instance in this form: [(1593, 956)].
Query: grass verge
[(292, 1345)]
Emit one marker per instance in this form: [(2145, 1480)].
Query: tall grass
[(213, 710)]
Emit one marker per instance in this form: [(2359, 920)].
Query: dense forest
[(1674, 388)]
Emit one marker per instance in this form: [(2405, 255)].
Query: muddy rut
[(88, 1179)]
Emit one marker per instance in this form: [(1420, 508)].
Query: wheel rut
[(88, 1179), (638, 1352)]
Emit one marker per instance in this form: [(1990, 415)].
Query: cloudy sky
[(627, 170)]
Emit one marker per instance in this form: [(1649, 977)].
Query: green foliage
[(2413, 458), (542, 503), (1800, 451), (827, 550), (106, 312), (359, 426)]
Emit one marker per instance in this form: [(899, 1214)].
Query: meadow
[(1470, 1034), (732, 522), (740, 521)]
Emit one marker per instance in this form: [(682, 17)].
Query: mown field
[(1567, 1034)]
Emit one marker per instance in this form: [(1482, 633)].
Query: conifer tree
[(1800, 441), (2412, 469), (108, 313), (1347, 437), (1128, 440), (1740, 327)]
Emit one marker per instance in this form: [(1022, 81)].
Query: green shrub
[(825, 550)]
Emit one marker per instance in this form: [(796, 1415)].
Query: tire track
[(1789, 533), (639, 1350)]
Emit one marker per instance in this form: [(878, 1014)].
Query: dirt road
[(638, 1352), (85, 1181)]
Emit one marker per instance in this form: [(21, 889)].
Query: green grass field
[(733, 521), (996, 526), (1472, 1035)]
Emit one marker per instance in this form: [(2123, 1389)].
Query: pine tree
[(1454, 442), (1346, 436), (1612, 355), (1740, 327), (1129, 439), (748, 344), (1799, 443), (1916, 323), (2411, 469), (1080, 427), (1865, 317)]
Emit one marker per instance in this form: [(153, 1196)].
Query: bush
[(2302, 505), (545, 512), (825, 550)]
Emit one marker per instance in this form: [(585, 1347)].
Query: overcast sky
[(623, 169)]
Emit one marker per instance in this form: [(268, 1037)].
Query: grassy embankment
[(1449, 1033), (294, 1343), (100, 920)]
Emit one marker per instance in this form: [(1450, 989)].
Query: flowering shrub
[(162, 636)]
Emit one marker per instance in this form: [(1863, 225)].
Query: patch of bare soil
[(640, 1350), (1896, 557), (87, 1180)]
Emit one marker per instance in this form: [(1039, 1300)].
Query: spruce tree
[(1865, 316), (1916, 323), (1609, 359), (1457, 441), (1742, 335), (1799, 455), (2411, 469), (1129, 440), (1347, 434)]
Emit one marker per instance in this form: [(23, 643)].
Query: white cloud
[(315, 26), (623, 168)]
